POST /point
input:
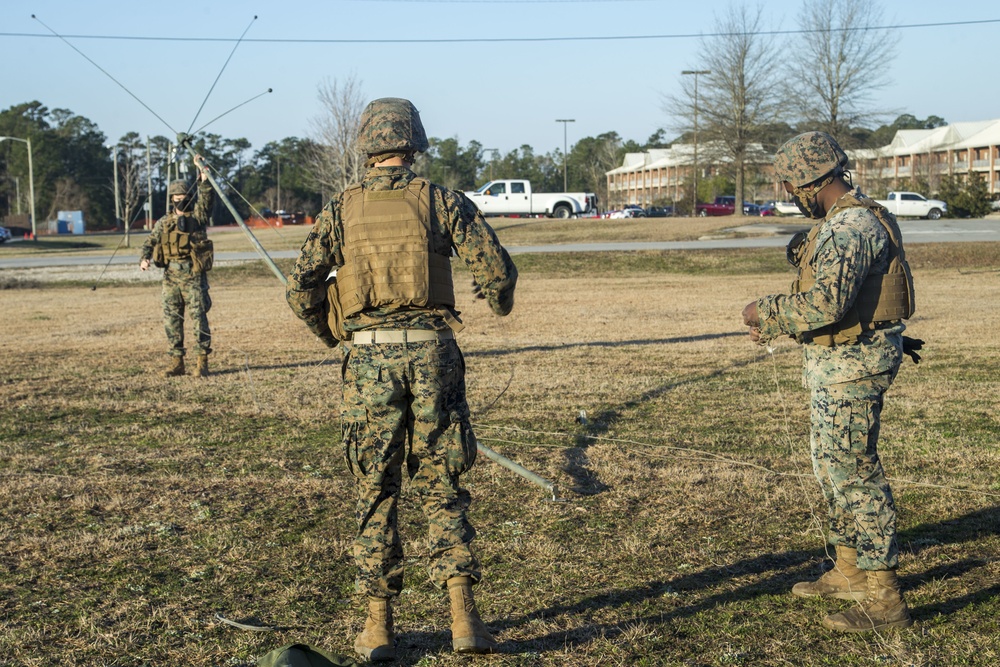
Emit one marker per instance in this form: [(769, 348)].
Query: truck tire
[(703, 213), (561, 211), (934, 214)]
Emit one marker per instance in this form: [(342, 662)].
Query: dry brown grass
[(134, 508)]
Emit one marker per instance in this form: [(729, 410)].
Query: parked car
[(913, 205), (660, 211), (767, 209), (626, 213), (726, 205), (787, 208), (4, 235)]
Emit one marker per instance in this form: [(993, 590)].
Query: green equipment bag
[(202, 256), (303, 655)]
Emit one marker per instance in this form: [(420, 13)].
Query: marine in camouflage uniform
[(179, 244), (404, 409), (846, 309)]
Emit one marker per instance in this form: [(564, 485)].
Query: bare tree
[(839, 64), (335, 163), (131, 175), (738, 101)]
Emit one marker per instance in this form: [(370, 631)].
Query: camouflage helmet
[(178, 187), (809, 157), (391, 124)]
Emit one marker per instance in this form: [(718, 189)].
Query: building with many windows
[(915, 159), (662, 175), (918, 159)]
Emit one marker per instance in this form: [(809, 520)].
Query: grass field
[(134, 509)]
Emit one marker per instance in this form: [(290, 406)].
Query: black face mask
[(808, 207)]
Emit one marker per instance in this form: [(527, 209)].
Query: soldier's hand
[(910, 347), (329, 340), (199, 162), (477, 291), (144, 265)]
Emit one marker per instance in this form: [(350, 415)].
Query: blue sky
[(502, 94)]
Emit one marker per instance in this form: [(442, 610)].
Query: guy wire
[(105, 72), (219, 75), (117, 247), (230, 111), (239, 194)]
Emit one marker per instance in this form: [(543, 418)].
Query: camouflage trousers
[(186, 289), (844, 439), (404, 406)]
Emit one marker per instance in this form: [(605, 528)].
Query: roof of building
[(682, 155)]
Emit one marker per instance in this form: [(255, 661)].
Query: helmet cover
[(808, 157), (391, 124)]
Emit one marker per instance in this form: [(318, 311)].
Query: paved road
[(914, 231)]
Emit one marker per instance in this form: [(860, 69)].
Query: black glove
[(477, 291), (910, 347), (329, 340)]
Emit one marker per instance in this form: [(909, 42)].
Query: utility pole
[(694, 174), (118, 206), (149, 186), (493, 156), (31, 182), (564, 121)]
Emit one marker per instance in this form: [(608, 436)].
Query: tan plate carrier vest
[(388, 262), (178, 246), (884, 297)]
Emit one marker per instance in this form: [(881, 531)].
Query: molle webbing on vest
[(176, 244), (883, 297), (387, 256)]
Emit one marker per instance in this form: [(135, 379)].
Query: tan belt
[(400, 336)]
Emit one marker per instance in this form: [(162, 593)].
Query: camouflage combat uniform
[(847, 381), (404, 403), (183, 285)]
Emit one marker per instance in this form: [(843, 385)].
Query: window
[(517, 188), (497, 189), (910, 197)]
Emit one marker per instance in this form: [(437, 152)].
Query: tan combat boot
[(176, 367), (468, 633), (202, 369), (377, 642), (883, 607), (844, 582)]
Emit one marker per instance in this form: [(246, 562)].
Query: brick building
[(920, 158), (662, 174), (914, 158)]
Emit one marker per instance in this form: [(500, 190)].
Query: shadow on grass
[(776, 574), (602, 343), (332, 362), (585, 481)]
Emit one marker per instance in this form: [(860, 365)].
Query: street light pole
[(565, 121), (493, 156), (694, 174), (31, 181)]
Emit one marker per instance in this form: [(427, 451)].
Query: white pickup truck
[(912, 205), (514, 197)]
